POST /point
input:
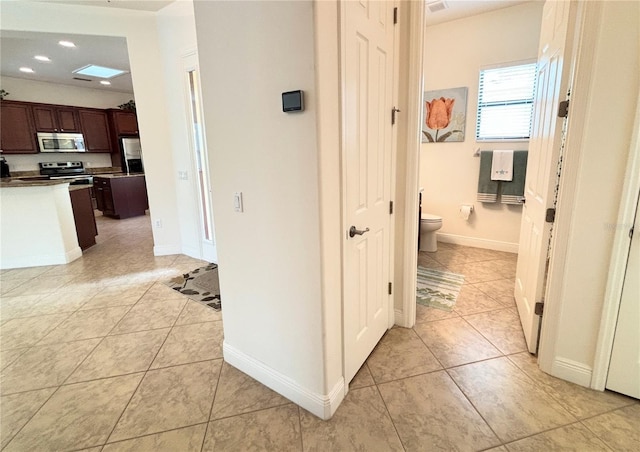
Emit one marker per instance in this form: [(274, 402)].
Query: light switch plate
[(237, 201)]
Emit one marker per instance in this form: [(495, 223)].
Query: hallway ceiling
[(457, 9)]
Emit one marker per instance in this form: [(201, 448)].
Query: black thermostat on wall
[(292, 101)]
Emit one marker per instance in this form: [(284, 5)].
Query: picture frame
[(444, 115)]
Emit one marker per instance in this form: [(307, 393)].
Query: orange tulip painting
[(444, 112)]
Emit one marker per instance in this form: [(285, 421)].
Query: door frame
[(618, 263), (408, 187), (187, 65)]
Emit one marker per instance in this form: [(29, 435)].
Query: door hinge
[(395, 15), (390, 288), (550, 216), (631, 232), (394, 110), (563, 109), (539, 308), (390, 207)]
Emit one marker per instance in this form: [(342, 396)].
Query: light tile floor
[(100, 355)]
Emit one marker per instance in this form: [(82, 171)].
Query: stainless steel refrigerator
[(132, 155)]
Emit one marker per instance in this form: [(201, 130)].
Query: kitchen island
[(37, 224), (121, 195)]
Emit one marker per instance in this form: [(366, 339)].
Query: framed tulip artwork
[(444, 113)]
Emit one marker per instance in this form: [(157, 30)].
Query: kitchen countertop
[(75, 187), (17, 183)]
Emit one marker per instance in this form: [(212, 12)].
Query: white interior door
[(624, 368), (367, 62), (544, 148)]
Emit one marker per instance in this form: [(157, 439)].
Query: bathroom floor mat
[(438, 289)]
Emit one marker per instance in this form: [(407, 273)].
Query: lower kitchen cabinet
[(121, 196), (83, 216)]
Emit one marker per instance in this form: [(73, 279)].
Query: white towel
[(502, 165)]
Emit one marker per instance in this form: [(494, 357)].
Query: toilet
[(429, 224)]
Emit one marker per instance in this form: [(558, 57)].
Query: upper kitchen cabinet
[(53, 118), (17, 128), (95, 128), (124, 122)]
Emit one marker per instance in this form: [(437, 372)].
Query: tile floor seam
[(542, 386), (288, 402), (609, 411), (83, 360), (300, 427), (86, 338), (430, 351), (483, 335), (34, 414), (395, 427), (213, 400), (141, 379), (125, 406), (596, 434), (148, 434), (475, 408), (543, 432)]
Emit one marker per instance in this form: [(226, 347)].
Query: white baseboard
[(41, 260), (401, 319), (322, 405), (191, 252), (166, 250), (477, 243), (572, 371)]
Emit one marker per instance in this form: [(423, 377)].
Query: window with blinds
[(505, 103)]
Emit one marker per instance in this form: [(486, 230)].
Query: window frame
[(522, 101)]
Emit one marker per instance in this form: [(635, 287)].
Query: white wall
[(177, 37), (609, 90), (54, 93), (454, 54), (269, 255), (140, 30)]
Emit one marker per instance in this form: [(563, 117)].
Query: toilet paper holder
[(466, 210)]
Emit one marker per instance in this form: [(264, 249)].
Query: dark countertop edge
[(35, 183)]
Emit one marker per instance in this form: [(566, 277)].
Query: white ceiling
[(140, 5), (19, 48), (457, 9)]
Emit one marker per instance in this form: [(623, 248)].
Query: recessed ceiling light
[(66, 43), (104, 82), (27, 70), (42, 58), (99, 71)]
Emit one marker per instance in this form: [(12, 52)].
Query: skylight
[(99, 71)]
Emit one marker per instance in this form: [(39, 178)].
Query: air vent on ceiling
[(82, 79), (436, 6)]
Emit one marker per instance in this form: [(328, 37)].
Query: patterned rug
[(438, 289), (200, 285)]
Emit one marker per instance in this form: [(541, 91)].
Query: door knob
[(353, 231)]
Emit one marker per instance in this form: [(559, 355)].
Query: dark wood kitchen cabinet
[(54, 118), (125, 123), (17, 130), (95, 128), (83, 216), (121, 196)]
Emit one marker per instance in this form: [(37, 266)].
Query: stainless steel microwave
[(61, 142)]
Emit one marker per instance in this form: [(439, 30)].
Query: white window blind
[(505, 103)]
